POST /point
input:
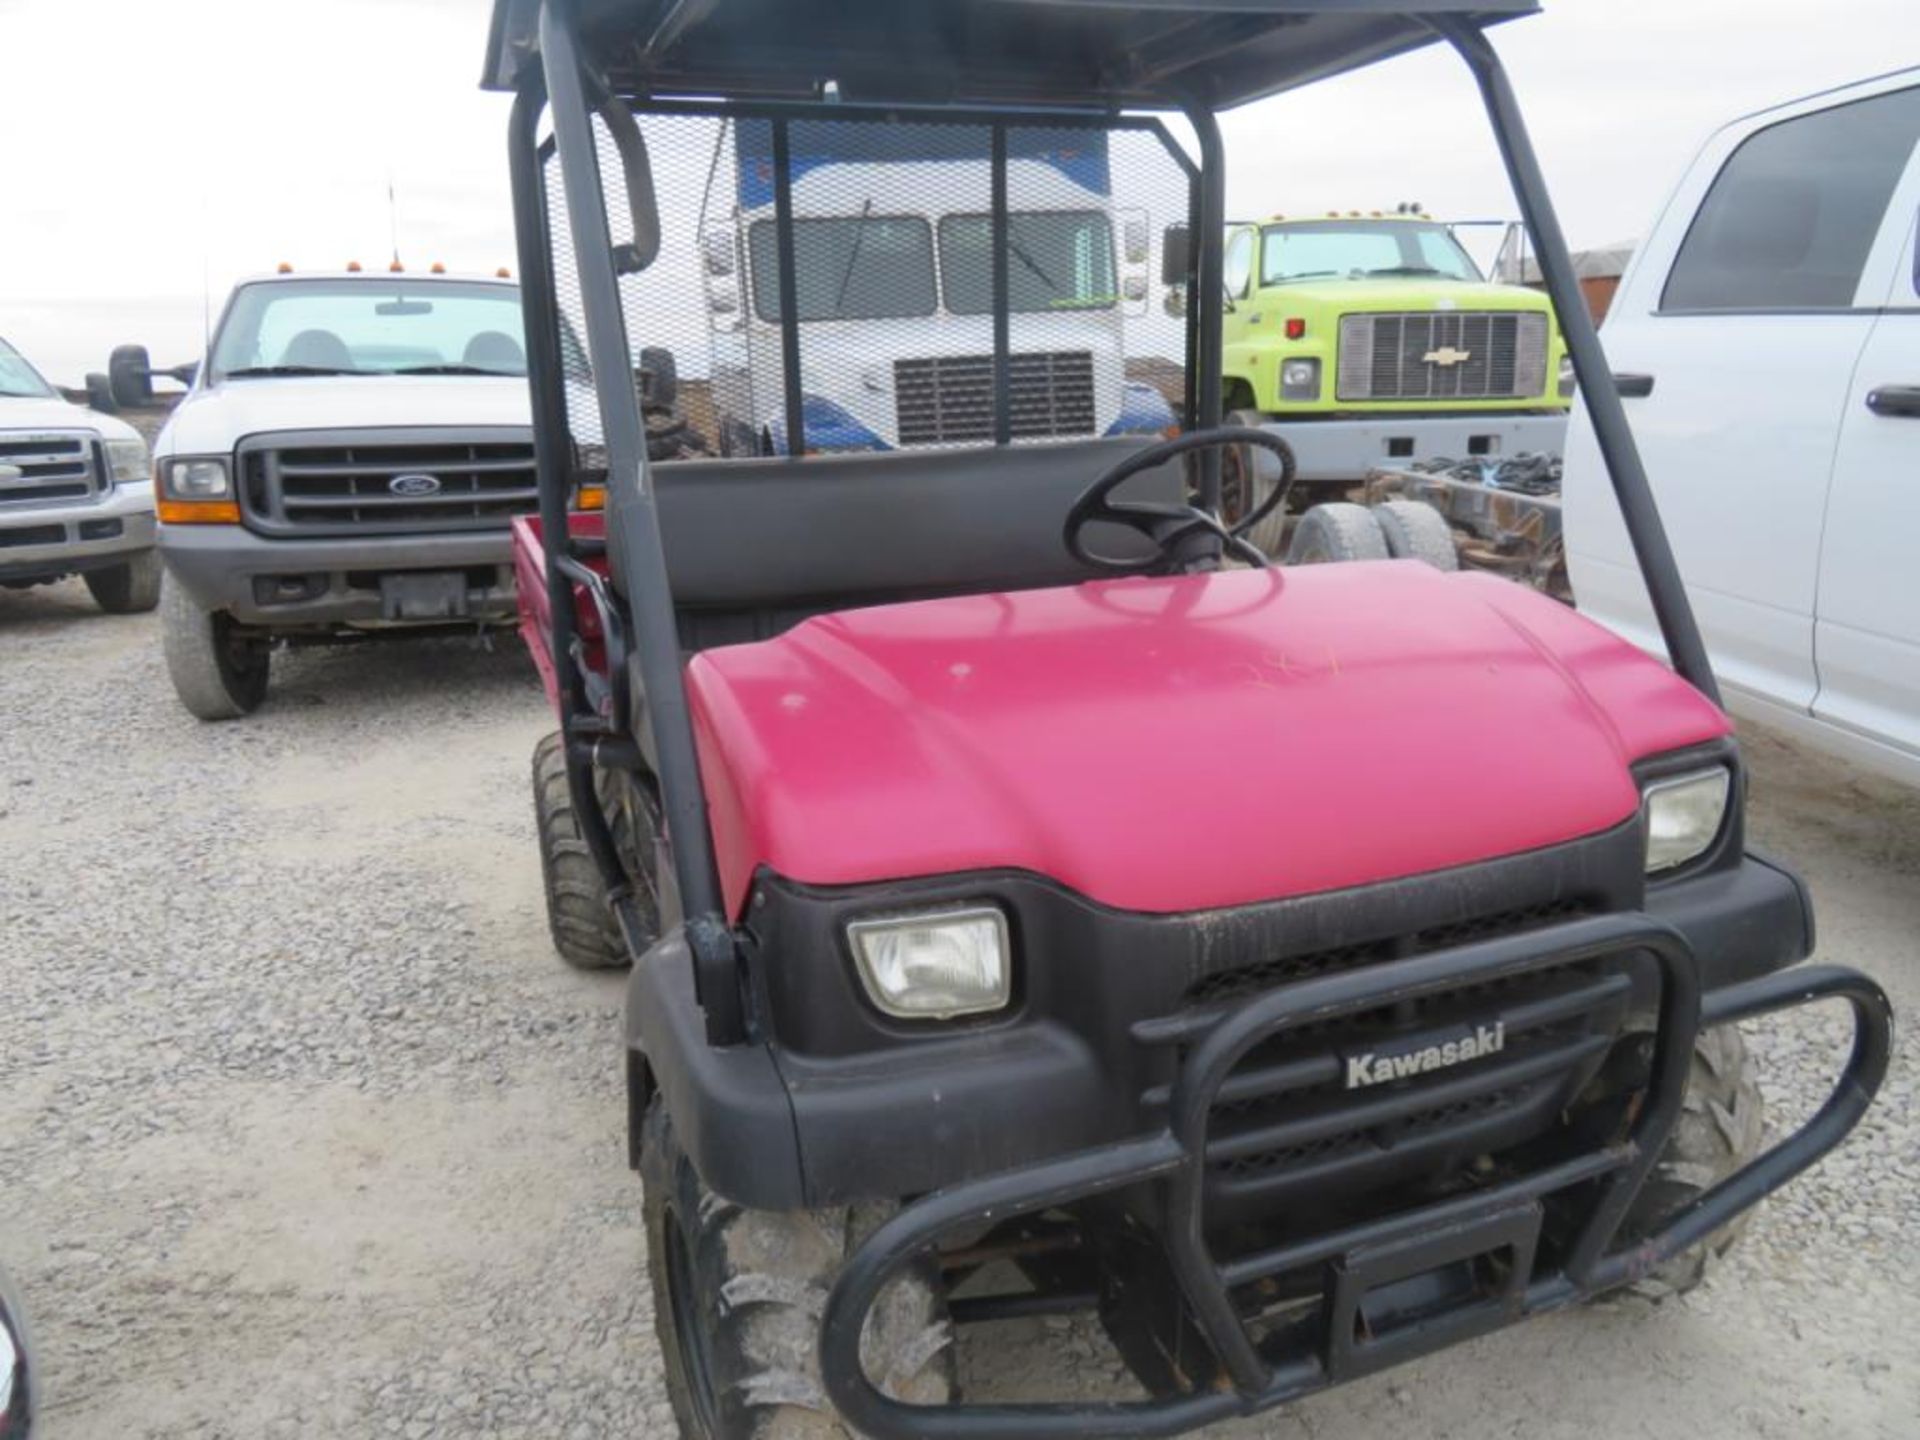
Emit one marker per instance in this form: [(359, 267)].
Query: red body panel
[(1181, 744), (536, 611)]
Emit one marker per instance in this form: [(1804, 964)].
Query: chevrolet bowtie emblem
[(1446, 355)]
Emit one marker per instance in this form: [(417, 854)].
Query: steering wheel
[(1172, 528)]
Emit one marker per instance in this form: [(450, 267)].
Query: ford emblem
[(414, 484)]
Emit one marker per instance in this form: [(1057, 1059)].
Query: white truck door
[(1867, 617), (1734, 336)]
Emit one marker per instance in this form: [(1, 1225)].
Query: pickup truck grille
[(943, 399), (51, 468), (1443, 355), (375, 483)]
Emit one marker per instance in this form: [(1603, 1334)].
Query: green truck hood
[(1411, 292)]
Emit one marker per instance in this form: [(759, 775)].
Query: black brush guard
[(1503, 1220)]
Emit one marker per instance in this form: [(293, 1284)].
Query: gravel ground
[(304, 1131)]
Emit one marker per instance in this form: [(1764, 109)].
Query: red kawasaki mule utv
[(1036, 901)]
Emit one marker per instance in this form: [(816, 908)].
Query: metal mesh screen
[(890, 243)]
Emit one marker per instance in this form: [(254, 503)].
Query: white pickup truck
[(76, 497), (346, 463), (1766, 339)]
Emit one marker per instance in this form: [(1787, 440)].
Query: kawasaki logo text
[(1375, 1069)]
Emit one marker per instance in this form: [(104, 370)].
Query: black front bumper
[(1497, 1230)]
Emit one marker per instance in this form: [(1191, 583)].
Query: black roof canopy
[(1142, 54)]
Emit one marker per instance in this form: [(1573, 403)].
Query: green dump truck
[(1368, 339)]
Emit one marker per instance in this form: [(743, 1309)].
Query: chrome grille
[(1443, 355), (372, 482), (47, 468), (943, 399)]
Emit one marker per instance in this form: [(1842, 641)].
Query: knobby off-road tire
[(218, 672), (1414, 531), (578, 915), (1720, 1129), (737, 1300), (1336, 532), (129, 589)]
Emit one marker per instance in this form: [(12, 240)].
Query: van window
[(1790, 218)]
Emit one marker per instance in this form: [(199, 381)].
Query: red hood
[(1182, 744)]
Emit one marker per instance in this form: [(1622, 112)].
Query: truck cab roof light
[(283, 268), (353, 267)]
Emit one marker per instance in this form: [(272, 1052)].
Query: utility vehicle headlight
[(127, 461), (1683, 816), (936, 964), (1300, 380), (197, 479)]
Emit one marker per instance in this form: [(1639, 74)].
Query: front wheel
[(129, 589), (218, 670), (737, 1299)]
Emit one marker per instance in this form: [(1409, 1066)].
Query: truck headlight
[(127, 461), (935, 964), (196, 479), (1300, 380), (1566, 377), (1683, 816)]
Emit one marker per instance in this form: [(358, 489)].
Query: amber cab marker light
[(353, 267), (197, 512), (504, 273), (284, 268), (394, 267), (591, 497), (437, 268)]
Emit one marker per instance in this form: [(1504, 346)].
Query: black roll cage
[(559, 81)]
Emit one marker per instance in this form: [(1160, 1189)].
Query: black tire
[(218, 670), (130, 376), (737, 1297), (1720, 1129), (129, 589), (579, 917), (1338, 532), (100, 394), (1263, 470), (663, 375), (1417, 531)]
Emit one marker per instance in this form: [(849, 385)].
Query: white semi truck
[(894, 294)]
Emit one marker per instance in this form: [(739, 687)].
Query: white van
[(1766, 339)]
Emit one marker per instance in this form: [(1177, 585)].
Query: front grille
[(944, 399), (1286, 1119), (373, 484), (46, 469), (1442, 355)]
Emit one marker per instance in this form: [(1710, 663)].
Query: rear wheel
[(1336, 532), (218, 670), (1414, 531), (129, 589), (579, 917), (1719, 1130), (737, 1299)]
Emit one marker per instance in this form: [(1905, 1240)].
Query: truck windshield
[(379, 326), (860, 267), (18, 378), (1056, 260), (1361, 249)]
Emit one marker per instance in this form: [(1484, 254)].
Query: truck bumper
[(1344, 449), (47, 544), (291, 585)]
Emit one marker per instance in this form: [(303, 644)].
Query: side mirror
[(1134, 287), (1133, 239), (1176, 254), (716, 249), (1175, 302), (130, 376), (18, 1397), (183, 373), (100, 393)]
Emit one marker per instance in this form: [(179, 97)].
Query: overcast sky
[(153, 152)]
